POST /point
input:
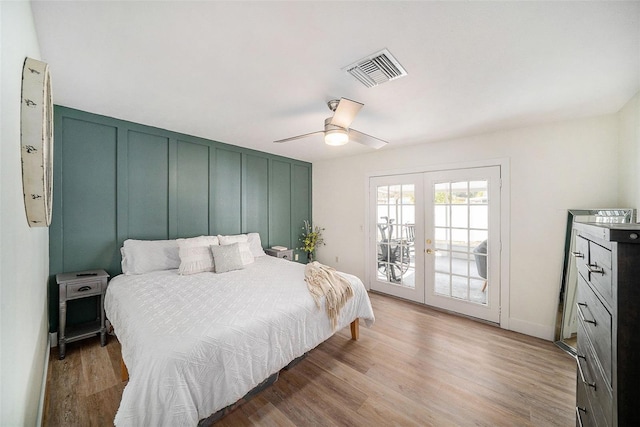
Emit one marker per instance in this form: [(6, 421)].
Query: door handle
[(429, 251)]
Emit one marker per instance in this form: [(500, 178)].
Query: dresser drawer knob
[(84, 288), (577, 254)]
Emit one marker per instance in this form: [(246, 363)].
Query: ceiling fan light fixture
[(336, 137)]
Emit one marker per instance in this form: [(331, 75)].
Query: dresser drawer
[(584, 413), (595, 267), (84, 289), (598, 392), (600, 270), (596, 321)]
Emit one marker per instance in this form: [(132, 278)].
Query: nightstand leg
[(61, 327), (103, 329)]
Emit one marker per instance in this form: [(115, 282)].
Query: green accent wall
[(116, 180)]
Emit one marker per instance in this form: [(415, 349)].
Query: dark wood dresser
[(608, 389)]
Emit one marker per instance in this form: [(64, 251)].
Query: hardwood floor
[(415, 366)]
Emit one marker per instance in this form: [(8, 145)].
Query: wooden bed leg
[(355, 329), (124, 372)]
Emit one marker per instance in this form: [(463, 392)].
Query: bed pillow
[(255, 245), (144, 256), (227, 257), (243, 245), (195, 255)]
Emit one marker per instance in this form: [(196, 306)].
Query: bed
[(194, 344)]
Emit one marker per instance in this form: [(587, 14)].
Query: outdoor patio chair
[(480, 254)]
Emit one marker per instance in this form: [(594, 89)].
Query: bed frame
[(355, 335)]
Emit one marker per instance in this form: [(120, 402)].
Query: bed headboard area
[(115, 180)]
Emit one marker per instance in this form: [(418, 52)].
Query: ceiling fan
[(336, 128)]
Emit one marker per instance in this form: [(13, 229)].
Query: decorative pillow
[(195, 255), (144, 256), (255, 245), (242, 240), (227, 257)]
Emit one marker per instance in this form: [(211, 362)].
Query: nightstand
[(81, 284), (286, 254)]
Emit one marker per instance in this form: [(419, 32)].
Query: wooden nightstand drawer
[(286, 254), (81, 290)]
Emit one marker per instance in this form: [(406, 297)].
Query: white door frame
[(505, 220)]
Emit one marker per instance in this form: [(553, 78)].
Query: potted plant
[(311, 238)]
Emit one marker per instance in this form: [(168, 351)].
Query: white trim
[(537, 330), (505, 221), (505, 241), (43, 389)]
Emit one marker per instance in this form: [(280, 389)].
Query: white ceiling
[(249, 73)]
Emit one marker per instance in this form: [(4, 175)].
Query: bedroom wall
[(629, 154), (116, 180), (554, 167), (24, 258)]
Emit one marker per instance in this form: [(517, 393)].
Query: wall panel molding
[(115, 180)]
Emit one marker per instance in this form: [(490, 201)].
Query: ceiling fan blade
[(299, 136), (364, 139), (345, 112)]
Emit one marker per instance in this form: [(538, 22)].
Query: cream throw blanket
[(323, 280)]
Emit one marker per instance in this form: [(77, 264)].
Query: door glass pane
[(459, 193), (383, 195), (479, 216), (441, 215), (442, 284), (459, 288), (442, 195), (459, 216)]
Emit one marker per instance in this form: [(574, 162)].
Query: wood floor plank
[(97, 369), (269, 416), (65, 388), (415, 366)]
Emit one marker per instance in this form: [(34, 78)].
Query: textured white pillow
[(144, 256), (236, 238), (227, 257), (243, 245), (195, 254), (255, 245)]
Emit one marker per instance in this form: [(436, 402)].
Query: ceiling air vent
[(376, 69)]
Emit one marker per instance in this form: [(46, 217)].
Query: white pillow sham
[(144, 256), (255, 245), (195, 254)]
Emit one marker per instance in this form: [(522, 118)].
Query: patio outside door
[(437, 239)]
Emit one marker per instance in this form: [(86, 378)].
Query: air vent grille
[(376, 69)]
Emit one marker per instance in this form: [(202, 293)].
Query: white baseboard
[(53, 339), (44, 383), (534, 329)]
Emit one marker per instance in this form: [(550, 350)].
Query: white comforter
[(196, 344)]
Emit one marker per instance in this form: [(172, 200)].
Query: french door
[(435, 239)]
